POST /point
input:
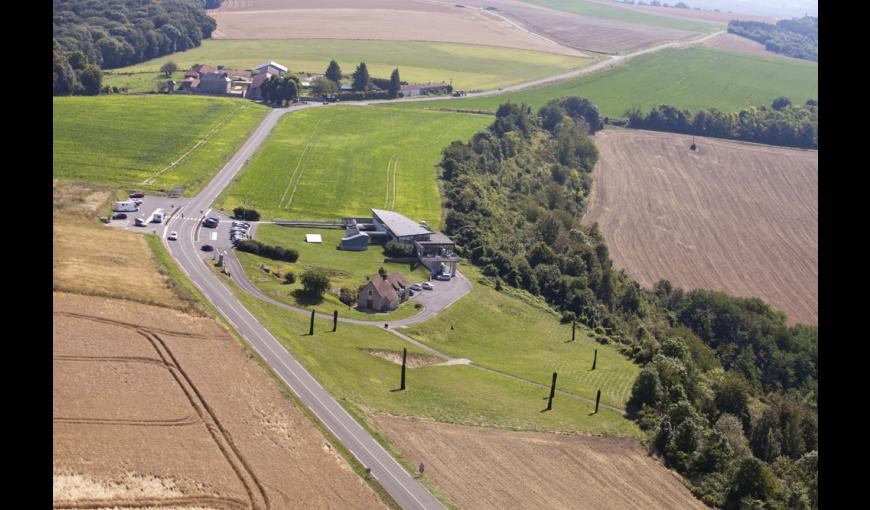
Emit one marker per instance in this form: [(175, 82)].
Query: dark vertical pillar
[(597, 399), (595, 359), (573, 330), (334, 320), (311, 327), (552, 393), (404, 359)]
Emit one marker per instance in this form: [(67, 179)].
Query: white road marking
[(214, 236)]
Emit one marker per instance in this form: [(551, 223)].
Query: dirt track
[(736, 217), (491, 468), (155, 407)]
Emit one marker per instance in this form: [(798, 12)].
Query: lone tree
[(360, 78), (91, 79), (395, 84), (333, 72), (168, 68), (314, 283)]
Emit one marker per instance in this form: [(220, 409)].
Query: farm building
[(214, 84), (383, 293), (419, 89), (272, 67), (354, 240), (433, 249)]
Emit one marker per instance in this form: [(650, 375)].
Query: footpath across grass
[(467, 66), (347, 269), (691, 78), (521, 335), (326, 163), (132, 141)]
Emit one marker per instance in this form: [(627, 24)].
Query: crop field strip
[(691, 78), (257, 497), (326, 163), (604, 11)]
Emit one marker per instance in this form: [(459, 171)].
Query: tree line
[(798, 37), (783, 123), (361, 81), (728, 391), (117, 33)]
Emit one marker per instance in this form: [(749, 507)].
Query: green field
[(329, 162), (453, 394), (597, 10), (139, 82), (470, 67), (345, 269), (132, 141), (524, 338), (690, 78)]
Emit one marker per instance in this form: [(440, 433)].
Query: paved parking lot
[(150, 203)]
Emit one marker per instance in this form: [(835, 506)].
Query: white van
[(126, 206), (157, 217)]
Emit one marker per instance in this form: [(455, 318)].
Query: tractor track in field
[(299, 168)]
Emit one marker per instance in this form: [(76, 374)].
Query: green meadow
[(690, 78), (468, 66), (345, 269), (133, 141), (522, 336), (325, 163), (599, 10), (139, 82)]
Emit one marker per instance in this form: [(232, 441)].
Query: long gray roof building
[(399, 225)]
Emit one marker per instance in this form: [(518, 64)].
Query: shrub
[(272, 252), (314, 283), (240, 213), (346, 296), (290, 277), (395, 249)]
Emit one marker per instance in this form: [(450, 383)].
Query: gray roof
[(274, 64), (399, 225), (437, 238)]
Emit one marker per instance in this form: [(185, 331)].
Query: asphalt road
[(407, 491)]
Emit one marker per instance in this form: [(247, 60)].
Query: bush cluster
[(264, 250), (398, 250), (240, 213)]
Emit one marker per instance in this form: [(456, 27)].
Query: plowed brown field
[(737, 44), (400, 20), (735, 217), (153, 407), (491, 468)]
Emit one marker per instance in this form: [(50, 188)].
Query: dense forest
[(117, 33), (780, 124), (728, 392), (797, 37)]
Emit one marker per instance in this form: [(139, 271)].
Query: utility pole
[(552, 393)]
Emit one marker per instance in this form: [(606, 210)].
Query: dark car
[(137, 195), (210, 222), (207, 247), (119, 216)]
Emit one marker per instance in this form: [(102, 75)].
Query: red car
[(137, 195)]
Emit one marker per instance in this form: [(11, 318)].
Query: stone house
[(383, 293)]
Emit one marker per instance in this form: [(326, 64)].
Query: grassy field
[(345, 269), (453, 394), (690, 78), (329, 162), (597, 10), (132, 141), (525, 338), (139, 82), (470, 67)]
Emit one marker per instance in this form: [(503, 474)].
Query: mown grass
[(329, 162), (139, 82), (598, 10), (523, 337), (690, 78), (126, 140), (345, 269), (452, 394), (469, 66)]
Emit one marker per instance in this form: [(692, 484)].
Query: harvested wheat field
[(156, 408), (399, 20), (737, 44), (734, 217), (491, 468), (582, 32)]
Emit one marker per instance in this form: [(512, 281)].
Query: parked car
[(443, 277), (137, 195), (210, 222), (137, 201), (207, 247), (416, 286), (119, 216), (241, 224), (173, 236), (427, 286), (140, 222)]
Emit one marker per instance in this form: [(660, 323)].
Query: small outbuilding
[(354, 240)]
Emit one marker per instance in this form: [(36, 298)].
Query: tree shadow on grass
[(305, 299)]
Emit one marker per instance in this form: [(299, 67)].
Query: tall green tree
[(65, 79), (77, 60), (361, 78), (323, 87), (91, 79), (395, 84), (333, 72), (168, 68)]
